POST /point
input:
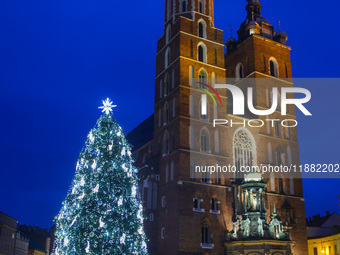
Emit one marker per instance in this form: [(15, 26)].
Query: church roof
[(141, 134)]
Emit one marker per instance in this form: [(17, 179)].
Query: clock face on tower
[(252, 31)]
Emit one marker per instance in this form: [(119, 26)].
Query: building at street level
[(190, 213)]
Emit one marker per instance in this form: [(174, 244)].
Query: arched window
[(192, 137), (159, 117), (184, 6), (213, 78), (280, 157), (201, 6), (205, 234), (192, 171), (168, 9), (167, 57), (168, 34), (289, 155), (172, 171), (217, 141), (166, 84), (239, 71), (145, 157), (166, 174), (174, 107), (202, 29), (166, 143), (173, 78), (270, 153), (281, 187), (214, 205), (191, 76), (191, 105), (215, 111), (166, 113), (278, 129), (202, 53), (205, 140), (161, 89), (244, 151), (173, 140), (274, 70), (272, 182), (203, 78)]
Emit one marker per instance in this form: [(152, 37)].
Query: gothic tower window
[(201, 6), (243, 150), (172, 171), (281, 190), (191, 105), (205, 141), (167, 57), (166, 143), (205, 233), (166, 85), (273, 67), (203, 77), (191, 75), (239, 71), (184, 6), (168, 34), (202, 27), (202, 53), (166, 113)]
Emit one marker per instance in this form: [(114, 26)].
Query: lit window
[(273, 68)]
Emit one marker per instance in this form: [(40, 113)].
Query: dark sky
[(60, 58)]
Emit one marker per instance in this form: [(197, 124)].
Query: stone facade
[(189, 214)]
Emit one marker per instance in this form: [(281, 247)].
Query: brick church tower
[(194, 213)]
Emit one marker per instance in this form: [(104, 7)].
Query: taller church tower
[(194, 213)]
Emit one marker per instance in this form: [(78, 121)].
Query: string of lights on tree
[(102, 213)]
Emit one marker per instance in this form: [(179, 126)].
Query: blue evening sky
[(60, 58)]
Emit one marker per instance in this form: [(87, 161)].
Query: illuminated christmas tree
[(102, 213)]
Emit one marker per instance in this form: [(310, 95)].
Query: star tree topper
[(107, 106)]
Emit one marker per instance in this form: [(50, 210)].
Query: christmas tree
[(102, 213)]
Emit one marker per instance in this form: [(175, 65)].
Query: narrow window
[(197, 205), (166, 113), (163, 233), (191, 49), (167, 57), (168, 34), (205, 234), (184, 6), (202, 29), (281, 190), (201, 7), (200, 53), (205, 143)]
